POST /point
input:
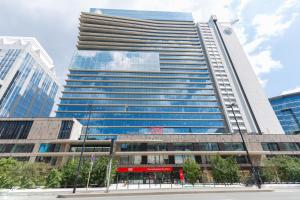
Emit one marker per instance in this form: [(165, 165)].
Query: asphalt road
[(282, 194)]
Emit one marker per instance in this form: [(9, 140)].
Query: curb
[(155, 192)]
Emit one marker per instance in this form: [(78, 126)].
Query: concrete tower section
[(236, 81)]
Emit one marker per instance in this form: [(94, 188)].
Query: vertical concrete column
[(35, 150)]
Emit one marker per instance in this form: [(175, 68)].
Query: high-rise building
[(287, 109), (28, 87), (149, 72), (166, 88)]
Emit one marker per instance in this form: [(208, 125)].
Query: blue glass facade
[(287, 109), (7, 58), (28, 90), (140, 83)]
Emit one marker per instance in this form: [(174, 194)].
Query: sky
[(269, 30)]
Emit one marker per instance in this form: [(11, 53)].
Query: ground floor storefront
[(150, 175)]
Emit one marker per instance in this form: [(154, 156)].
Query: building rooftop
[(148, 15), (286, 95), (31, 43)]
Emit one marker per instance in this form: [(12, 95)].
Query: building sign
[(144, 169), (156, 130)]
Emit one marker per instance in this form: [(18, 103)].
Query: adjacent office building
[(287, 109), (28, 87)]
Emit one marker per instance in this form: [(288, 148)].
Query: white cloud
[(272, 25), (55, 22), (294, 90), (266, 27), (263, 62)]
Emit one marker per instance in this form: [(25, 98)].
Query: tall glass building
[(28, 87), (287, 109), (149, 72)]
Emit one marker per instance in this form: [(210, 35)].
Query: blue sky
[(268, 29)]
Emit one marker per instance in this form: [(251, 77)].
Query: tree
[(53, 179), (269, 172), (69, 172), (9, 172), (98, 174), (233, 170), (225, 170), (33, 174), (191, 171), (281, 168)]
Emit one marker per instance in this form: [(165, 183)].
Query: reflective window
[(116, 60), (7, 59), (65, 129), (153, 130), (287, 109), (16, 148), (48, 147), (15, 129)]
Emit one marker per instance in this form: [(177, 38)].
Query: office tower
[(149, 72), (287, 107), (167, 89), (28, 87)]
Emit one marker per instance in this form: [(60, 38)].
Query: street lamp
[(109, 166), (82, 149), (254, 171)]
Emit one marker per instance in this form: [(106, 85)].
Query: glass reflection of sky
[(116, 60), (150, 15)]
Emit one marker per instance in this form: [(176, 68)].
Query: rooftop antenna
[(234, 21)]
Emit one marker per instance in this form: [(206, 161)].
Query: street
[(279, 194)]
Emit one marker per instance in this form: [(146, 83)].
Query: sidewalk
[(134, 192)]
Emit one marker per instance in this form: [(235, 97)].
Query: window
[(22, 148), (270, 146), (183, 146), (65, 129), (49, 160), (6, 148), (233, 146), (90, 148), (49, 148), (15, 129), (210, 146), (16, 148)]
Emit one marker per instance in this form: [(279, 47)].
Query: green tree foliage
[(23, 174), (281, 169), (9, 172), (98, 174), (53, 179), (68, 172), (33, 174), (191, 171), (225, 170)]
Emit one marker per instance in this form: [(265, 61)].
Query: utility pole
[(82, 150), (254, 171)]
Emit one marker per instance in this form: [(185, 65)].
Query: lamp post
[(254, 171), (109, 166), (82, 150)]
